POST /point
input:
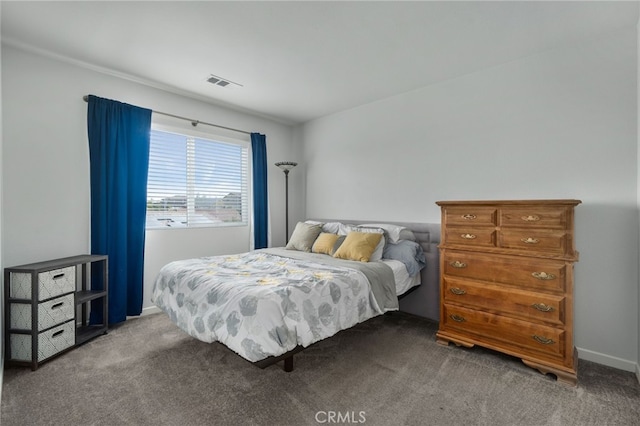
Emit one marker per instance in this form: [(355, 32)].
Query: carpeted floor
[(387, 371)]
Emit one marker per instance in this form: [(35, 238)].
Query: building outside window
[(196, 182)]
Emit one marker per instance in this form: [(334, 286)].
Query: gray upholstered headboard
[(423, 300)]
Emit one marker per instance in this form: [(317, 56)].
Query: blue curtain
[(119, 162), (260, 196)]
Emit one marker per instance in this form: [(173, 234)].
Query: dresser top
[(569, 202), (57, 263)]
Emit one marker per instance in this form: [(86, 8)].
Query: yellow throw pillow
[(324, 243), (358, 246)]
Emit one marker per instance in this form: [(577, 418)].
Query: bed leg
[(288, 364)]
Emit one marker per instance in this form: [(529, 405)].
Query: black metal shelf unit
[(47, 307)]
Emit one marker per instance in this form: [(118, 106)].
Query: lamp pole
[(286, 203), (286, 167)]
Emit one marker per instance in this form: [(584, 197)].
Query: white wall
[(560, 124), (638, 193), (45, 175)]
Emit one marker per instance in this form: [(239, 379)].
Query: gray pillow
[(303, 237), (338, 243), (407, 234), (408, 252)]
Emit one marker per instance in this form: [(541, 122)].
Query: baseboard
[(147, 311), (638, 372), (150, 310), (609, 361)]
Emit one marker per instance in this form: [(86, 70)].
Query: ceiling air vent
[(222, 82)]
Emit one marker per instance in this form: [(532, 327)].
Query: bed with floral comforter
[(266, 303)]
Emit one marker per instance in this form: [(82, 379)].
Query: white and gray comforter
[(266, 302)]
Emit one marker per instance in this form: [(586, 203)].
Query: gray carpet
[(387, 371)]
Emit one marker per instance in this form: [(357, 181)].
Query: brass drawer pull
[(542, 307), (458, 291), (543, 276), (530, 240), (530, 218), (458, 264), (543, 340), (457, 318), (468, 236), (469, 216)]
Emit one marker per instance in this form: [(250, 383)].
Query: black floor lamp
[(286, 166)]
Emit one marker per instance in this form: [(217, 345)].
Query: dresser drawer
[(50, 342), (548, 217), (50, 313), (527, 273), (471, 215), (531, 306), (507, 331), (470, 236), (50, 283), (548, 242)]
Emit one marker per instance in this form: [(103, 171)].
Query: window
[(196, 182)]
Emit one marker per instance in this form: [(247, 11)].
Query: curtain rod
[(194, 123)]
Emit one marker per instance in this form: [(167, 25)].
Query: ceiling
[(296, 61)]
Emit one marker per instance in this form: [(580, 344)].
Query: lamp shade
[(286, 165)]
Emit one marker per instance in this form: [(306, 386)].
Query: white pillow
[(393, 231), (344, 229), (329, 227)]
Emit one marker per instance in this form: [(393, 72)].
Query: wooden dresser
[(506, 280)]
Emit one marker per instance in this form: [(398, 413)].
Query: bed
[(266, 305)]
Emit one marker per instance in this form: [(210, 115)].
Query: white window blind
[(196, 182)]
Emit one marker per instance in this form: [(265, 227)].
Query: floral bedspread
[(260, 304)]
